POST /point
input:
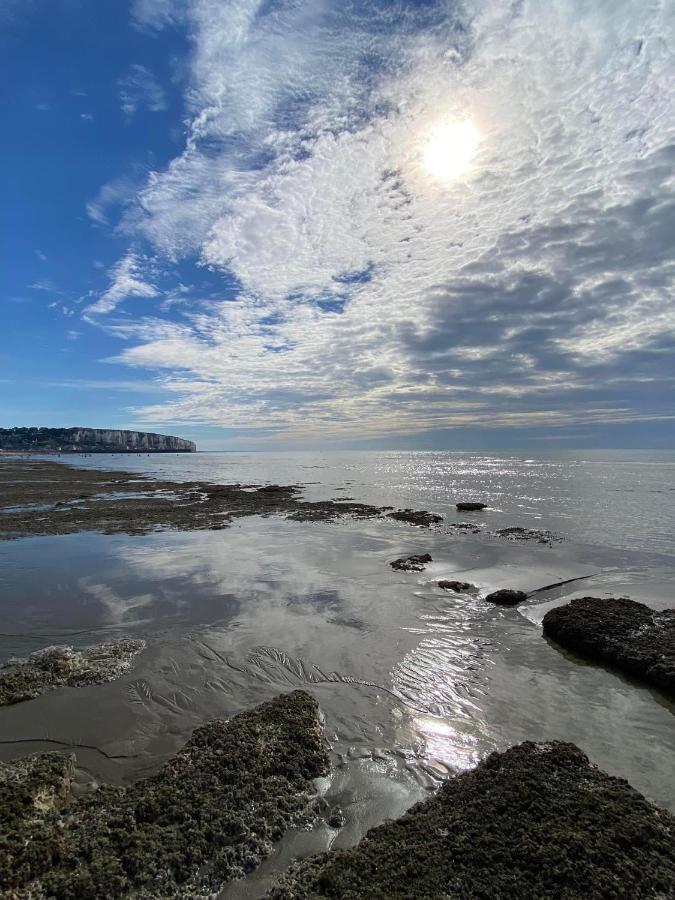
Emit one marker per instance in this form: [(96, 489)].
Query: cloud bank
[(374, 298)]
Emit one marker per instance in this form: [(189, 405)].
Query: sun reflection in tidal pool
[(444, 742)]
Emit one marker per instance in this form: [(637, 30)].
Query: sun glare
[(450, 149)]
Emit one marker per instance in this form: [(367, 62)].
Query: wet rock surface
[(458, 587), (506, 597), (518, 533), (419, 517), (621, 633), (43, 497), (24, 679), (411, 563), (470, 505), (210, 815), (535, 821)]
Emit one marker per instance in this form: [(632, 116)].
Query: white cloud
[(127, 279), (512, 294), (140, 89)]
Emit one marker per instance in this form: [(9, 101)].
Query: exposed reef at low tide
[(24, 679), (210, 815), (620, 633), (535, 821), (44, 497)]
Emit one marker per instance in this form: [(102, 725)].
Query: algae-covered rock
[(618, 632), (506, 597), (537, 821), (23, 679), (211, 814), (420, 517), (457, 587), (411, 563)]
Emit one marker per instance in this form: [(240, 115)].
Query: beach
[(249, 576)]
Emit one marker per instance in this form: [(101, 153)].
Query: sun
[(450, 149)]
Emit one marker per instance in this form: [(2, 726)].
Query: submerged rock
[(415, 517), (537, 821), (208, 816), (459, 587), (621, 633), (470, 505), (411, 563), (506, 597), (24, 679)]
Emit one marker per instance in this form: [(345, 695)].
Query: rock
[(537, 821), (415, 517), (411, 563), (23, 679), (336, 819), (459, 587), (469, 506), (507, 597), (207, 817), (621, 633), (518, 533)]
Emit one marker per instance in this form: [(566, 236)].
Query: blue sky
[(259, 223)]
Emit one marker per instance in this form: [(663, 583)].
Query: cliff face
[(91, 440)]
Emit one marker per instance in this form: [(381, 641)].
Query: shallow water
[(415, 683)]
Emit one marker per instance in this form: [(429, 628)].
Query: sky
[(328, 223)]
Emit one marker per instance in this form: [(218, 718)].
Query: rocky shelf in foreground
[(44, 497), (24, 679), (210, 815), (621, 633), (537, 821)]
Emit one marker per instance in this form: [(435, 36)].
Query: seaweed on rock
[(208, 816), (621, 633), (535, 821)]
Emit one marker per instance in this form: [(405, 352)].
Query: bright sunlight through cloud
[(450, 149)]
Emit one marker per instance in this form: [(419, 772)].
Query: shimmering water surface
[(414, 683)]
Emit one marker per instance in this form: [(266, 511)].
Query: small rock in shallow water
[(411, 563), (24, 679), (470, 506), (506, 597), (459, 587), (418, 517), (618, 632), (537, 821)]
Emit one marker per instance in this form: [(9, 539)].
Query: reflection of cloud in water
[(117, 608)]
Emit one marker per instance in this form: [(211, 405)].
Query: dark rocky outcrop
[(90, 440), (23, 679), (45, 497), (518, 533), (470, 505), (210, 815), (621, 633), (411, 563), (537, 821), (506, 597), (459, 587), (416, 517)]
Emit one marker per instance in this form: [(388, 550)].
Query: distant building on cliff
[(91, 440)]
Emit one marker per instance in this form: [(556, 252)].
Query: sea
[(415, 684)]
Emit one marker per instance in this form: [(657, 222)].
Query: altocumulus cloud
[(374, 298)]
